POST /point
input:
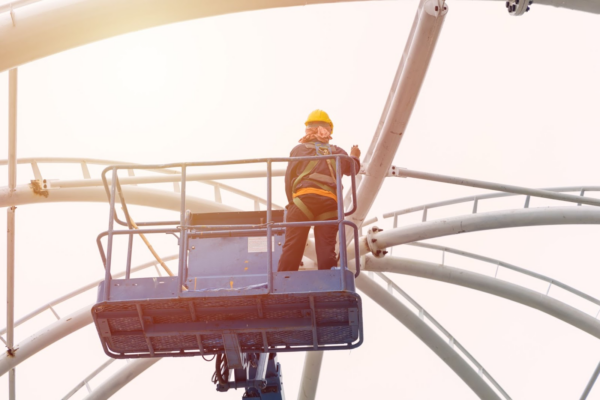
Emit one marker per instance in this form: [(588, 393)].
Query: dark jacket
[(295, 168)]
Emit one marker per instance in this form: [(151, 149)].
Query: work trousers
[(295, 237)]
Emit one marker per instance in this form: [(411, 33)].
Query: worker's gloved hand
[(355, 151)]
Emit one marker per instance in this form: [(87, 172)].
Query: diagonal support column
[(407, 83)]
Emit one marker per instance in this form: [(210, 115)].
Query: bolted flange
[(371, 240), (518, 7)]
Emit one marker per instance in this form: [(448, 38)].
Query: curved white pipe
[(133, 195), (497, 287), (121, 378), (478, 222), (45, 337), (49, 27), (310, 375), (424, 332)]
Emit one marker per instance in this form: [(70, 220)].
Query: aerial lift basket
[(227, 296)]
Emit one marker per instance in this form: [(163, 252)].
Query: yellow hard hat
[(318, 116)]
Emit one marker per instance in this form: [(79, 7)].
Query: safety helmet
[(318, 116)]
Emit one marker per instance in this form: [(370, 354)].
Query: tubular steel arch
[(479, 222), (45, 28), (476, 199), (512, 267), (483, 283)]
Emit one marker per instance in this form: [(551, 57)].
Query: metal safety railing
[(501, 264), (85, 163), (476, 199), (114, 190)]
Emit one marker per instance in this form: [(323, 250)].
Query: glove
[(355, 151)]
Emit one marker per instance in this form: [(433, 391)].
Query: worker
[(310, 187)]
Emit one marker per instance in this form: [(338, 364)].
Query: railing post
[(111, 223), (129, 251), (182, 230), (269, 232), (340, 218)]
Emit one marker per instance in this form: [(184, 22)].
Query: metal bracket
[(40, 186), (518, 7), (371, 240), (395, 171)]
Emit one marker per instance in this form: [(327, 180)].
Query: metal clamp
[(371, 240)]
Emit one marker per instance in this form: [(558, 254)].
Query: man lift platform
[(227, 299)]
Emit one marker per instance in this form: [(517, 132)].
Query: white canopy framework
[(30, 30)]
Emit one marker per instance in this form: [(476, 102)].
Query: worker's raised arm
[(347, 164)]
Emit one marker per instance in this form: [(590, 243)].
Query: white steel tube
[(133, 194), (10, 221), (487, 284), (45, 337), (479, 222), (590, 384), (134, 180), (501, 187), (424, 332), (88, 378), (48, 27), (121, 378), (12, 128), (10, 296), (412, 69), (310, 375)]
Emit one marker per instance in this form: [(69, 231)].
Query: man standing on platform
[(310, 187)]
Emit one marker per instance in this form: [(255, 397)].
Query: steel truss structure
[(68, 14)]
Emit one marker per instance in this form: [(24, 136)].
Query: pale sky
[(506, 99)]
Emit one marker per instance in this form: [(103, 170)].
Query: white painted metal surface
[(121, 378), (134, 195), (502, 264), (310, 375), (91, 376), (46, 27), (411, 74), (497, 287), (454, 180), (89, 182), (420, 329), (479, 222), (44, 338), (10, 222), (476, 199)]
